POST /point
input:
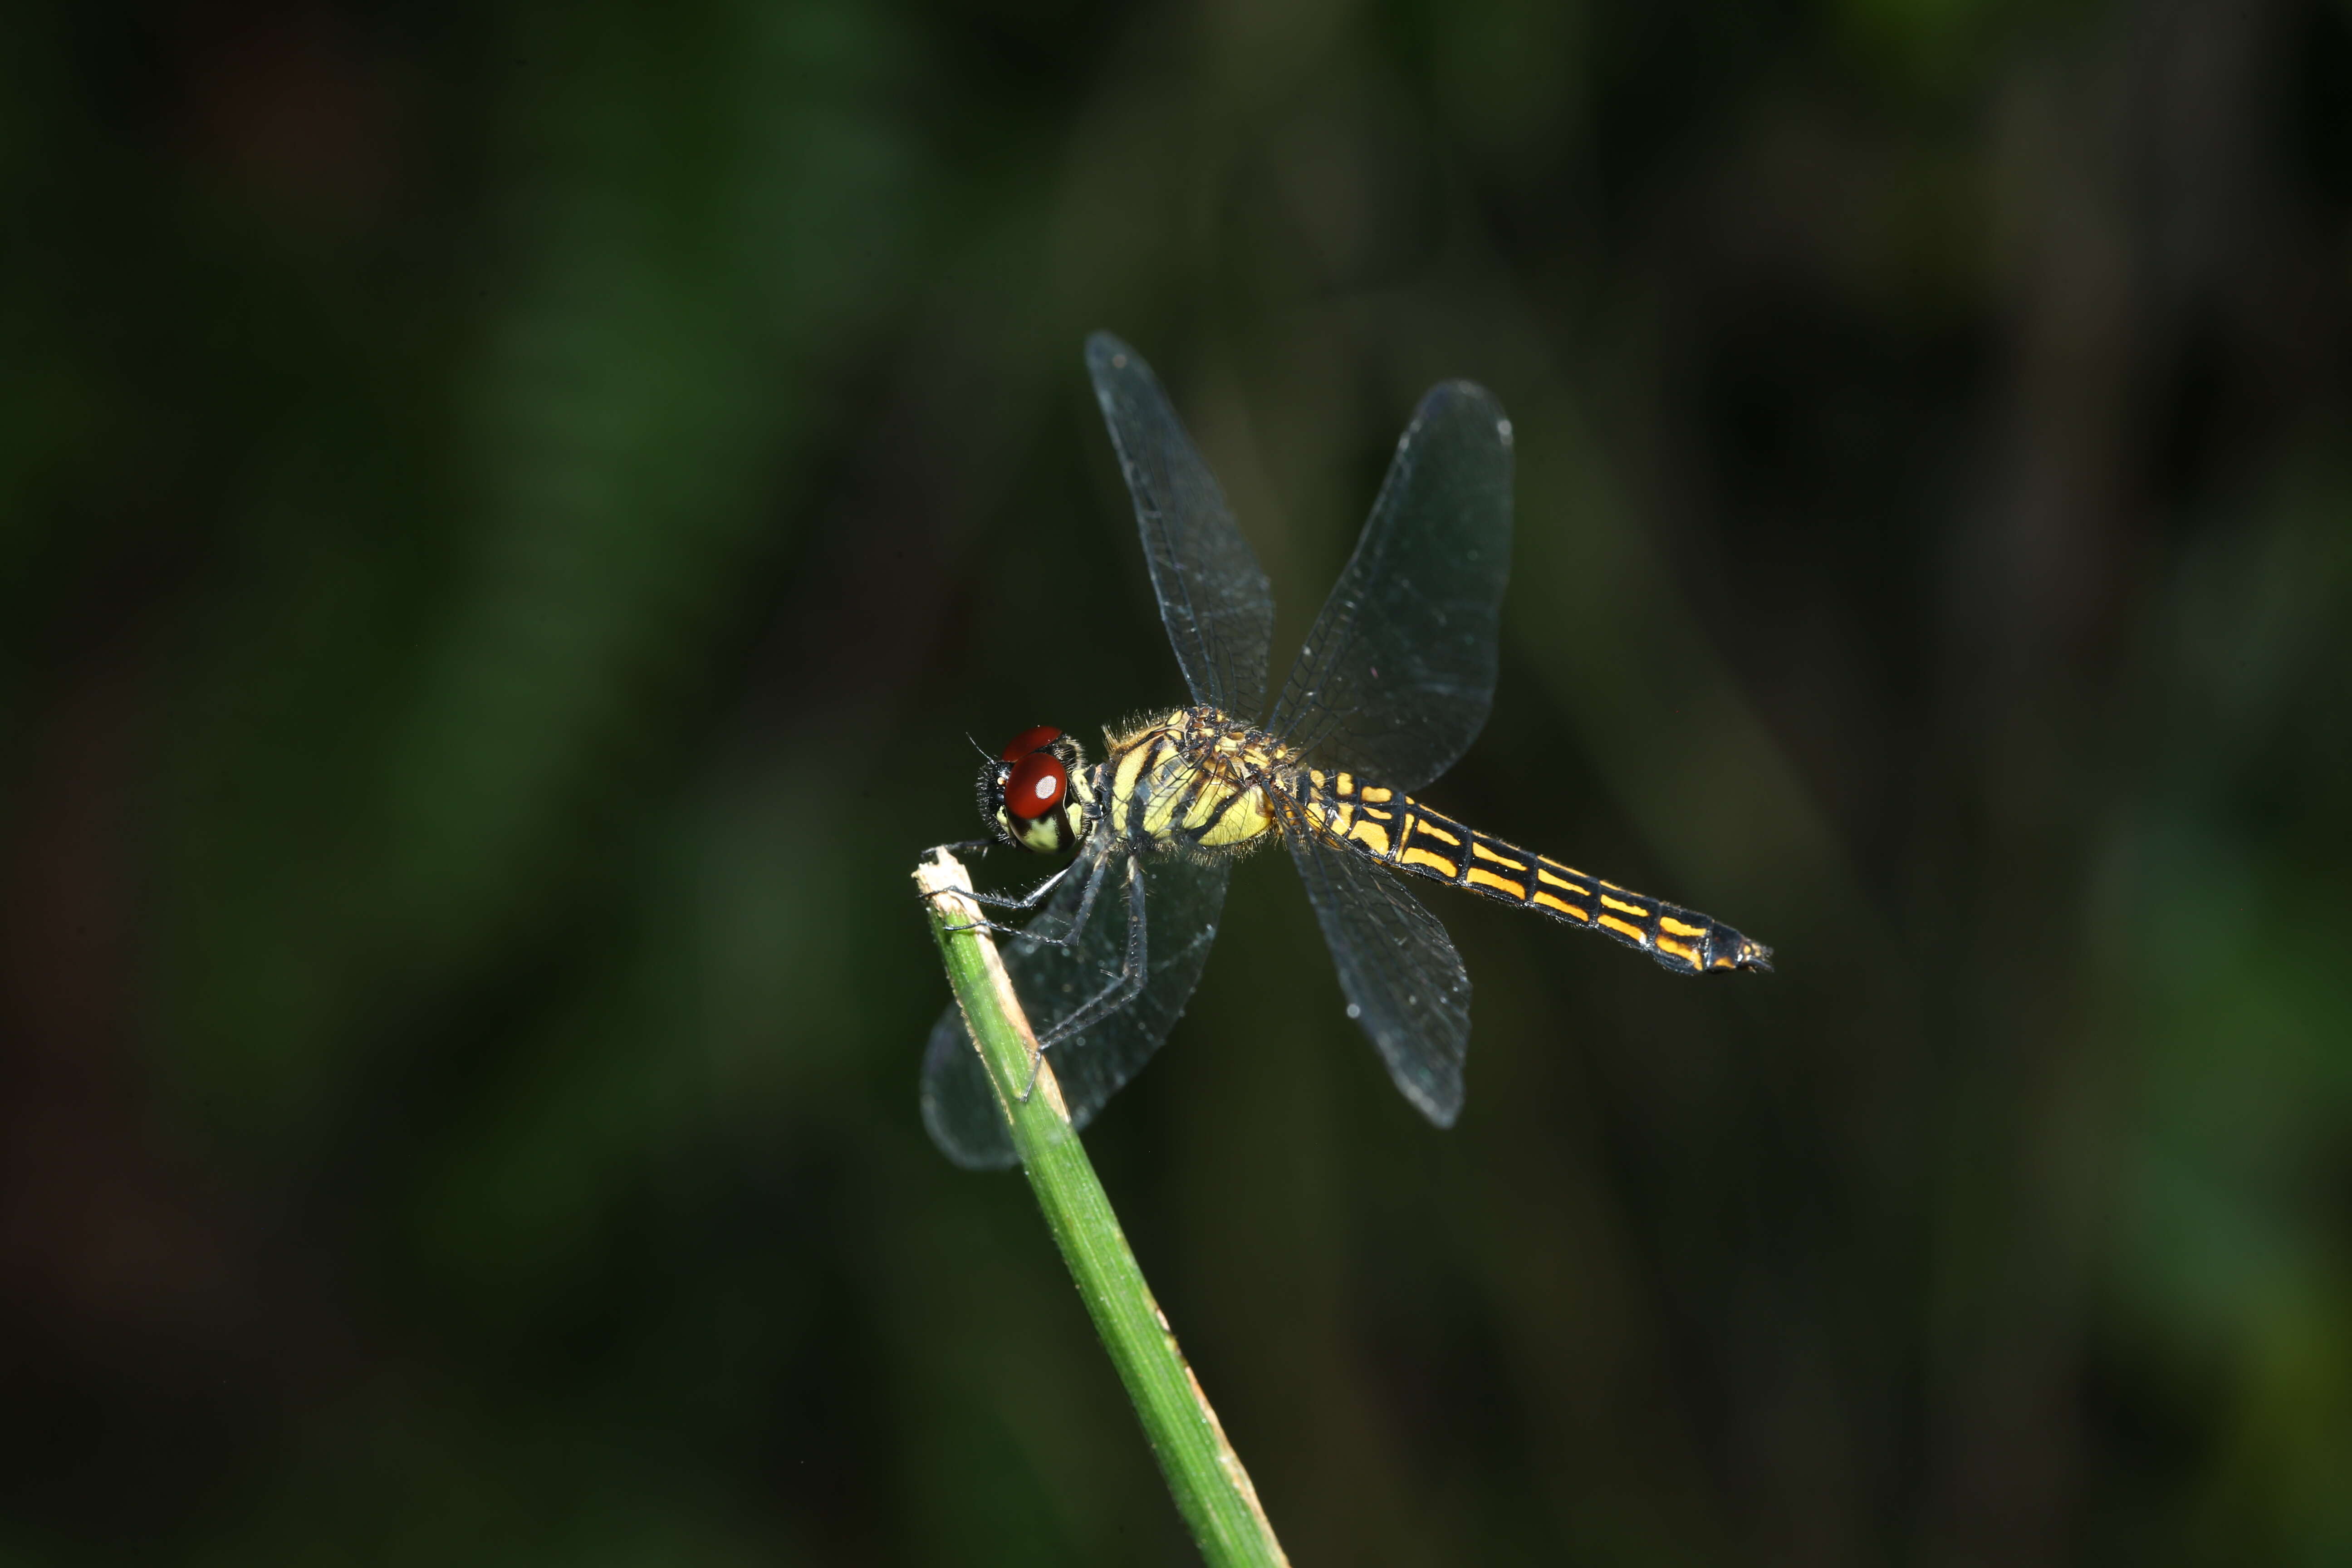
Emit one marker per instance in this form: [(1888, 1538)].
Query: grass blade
[(1211, 1490)]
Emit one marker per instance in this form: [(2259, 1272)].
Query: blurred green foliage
[(506, 517)]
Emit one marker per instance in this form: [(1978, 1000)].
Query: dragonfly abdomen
[(1400, 832)]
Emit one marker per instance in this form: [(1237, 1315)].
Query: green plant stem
[(1211, 1490)]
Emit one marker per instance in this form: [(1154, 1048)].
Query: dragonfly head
[(1037, 795)]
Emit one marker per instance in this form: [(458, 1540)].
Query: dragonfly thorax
[(1196, 779)]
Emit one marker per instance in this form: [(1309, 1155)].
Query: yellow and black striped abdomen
[(1400, 831)]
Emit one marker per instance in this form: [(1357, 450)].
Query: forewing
[(1213, 596), (1397, 676), (1398, 969), (1181, 902)]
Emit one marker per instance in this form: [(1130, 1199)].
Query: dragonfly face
[(1393, 683), (1037, 795)]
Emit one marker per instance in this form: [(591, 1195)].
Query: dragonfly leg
[(1000, 902), (1132, 971), (1078, 918), (1028, 900)]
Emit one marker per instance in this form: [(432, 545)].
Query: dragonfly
[(1394, 681)]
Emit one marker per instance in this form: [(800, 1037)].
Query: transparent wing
[(1181, 901), (1404, 981), (1213, 596), (1397, 676)]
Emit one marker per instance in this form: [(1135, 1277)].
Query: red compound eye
[(1029, 741), (1036, 786)]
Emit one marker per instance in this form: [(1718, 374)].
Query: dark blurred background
[(509, 517)]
